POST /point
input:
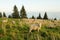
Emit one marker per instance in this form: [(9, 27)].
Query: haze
[(31, 5)]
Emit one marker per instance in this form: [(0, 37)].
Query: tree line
[(22, 14)]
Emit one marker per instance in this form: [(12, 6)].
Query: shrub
[(1, 32), (7, 26), (25, 28), (19, 28), (14, 27), (9, 38), (44, 34)]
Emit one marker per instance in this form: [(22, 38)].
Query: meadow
[(19, 30)]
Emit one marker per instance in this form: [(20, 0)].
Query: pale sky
[(31, 5)]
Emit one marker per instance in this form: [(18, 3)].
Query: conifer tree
[(33, 17), (15, 13), (4, 15), (55, 18), (0, 15), (9, 16), (45, 16), (23, 12), (39, 17)]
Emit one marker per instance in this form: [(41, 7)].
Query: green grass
[(17, 32)]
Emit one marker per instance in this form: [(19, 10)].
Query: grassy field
[(20, 30)]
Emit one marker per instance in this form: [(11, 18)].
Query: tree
[(4, 15), (23, 13), (33, 17), (55, 18), (15, 13), (39, 17), (45, 16), (0, 14), (9, 16)]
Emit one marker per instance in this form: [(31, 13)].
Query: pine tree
[(55, 18), (0, 15), (23, 13), (4, 15), (33, 17), (45, 16), (15, 13), (9, 16), (39, 17)]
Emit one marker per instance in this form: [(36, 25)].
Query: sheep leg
[(30, 30), (38, 29)]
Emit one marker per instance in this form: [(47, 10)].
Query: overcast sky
[(31, 5)]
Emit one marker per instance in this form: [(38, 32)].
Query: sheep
[(35, 26), (13, 22), (5, 21)]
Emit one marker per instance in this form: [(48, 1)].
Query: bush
[(7, 26), (19, 28), (25, 28), (44, 34), (1, 31), (9, 38)]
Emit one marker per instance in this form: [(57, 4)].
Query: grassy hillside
[(20, 30)]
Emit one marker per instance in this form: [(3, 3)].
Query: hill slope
[(16, 29)]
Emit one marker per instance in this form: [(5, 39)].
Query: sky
[(31, 5)]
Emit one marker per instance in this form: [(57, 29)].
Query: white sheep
[(13, 22), (35, 26), (5, 21)]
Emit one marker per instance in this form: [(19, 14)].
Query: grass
[(21, 32)]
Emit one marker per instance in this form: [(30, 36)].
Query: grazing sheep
[(13, 22), (35, 26), (5, 21)]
